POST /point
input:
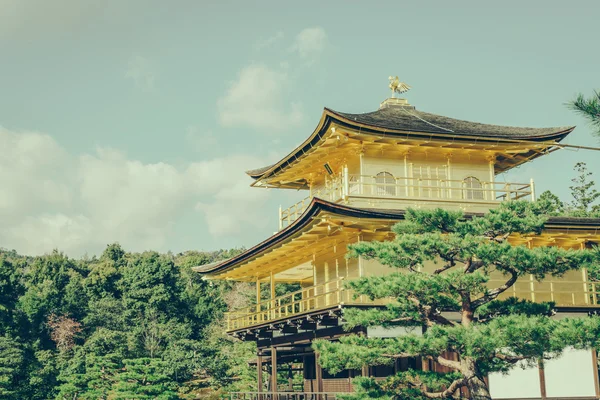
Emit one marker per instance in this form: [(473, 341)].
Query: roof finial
[(397, 86)]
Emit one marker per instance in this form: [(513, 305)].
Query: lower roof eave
[(317, 206)]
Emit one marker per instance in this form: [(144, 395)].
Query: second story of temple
[(398, 157)]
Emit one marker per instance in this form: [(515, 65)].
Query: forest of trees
[(120, 326)]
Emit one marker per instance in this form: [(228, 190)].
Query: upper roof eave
[(526, 135)]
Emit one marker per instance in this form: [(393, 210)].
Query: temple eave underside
[(333, 143), (327, 232)]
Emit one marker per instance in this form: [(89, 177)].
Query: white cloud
[(225, 217), (258, 99), (310, 43), (141, 72), (79, 203), (270, 41)]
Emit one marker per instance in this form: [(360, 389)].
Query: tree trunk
[(478, 389)]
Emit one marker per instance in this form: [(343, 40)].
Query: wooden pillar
[(259, 373), (595, 369), (361, 171), (346, 188), (257, 290), (258, 307), (272, 284), (492, 193), (449, 176), (273, 369), (318, 374)]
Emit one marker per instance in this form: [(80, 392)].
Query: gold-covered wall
[(571, 289)]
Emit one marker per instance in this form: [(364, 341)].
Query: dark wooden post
[(259, 374), (318, 375), (274, 370)]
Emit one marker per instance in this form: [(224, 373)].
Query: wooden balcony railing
[(469, 190), (563, 292), (279, 396), (312, 298), (334, 192)]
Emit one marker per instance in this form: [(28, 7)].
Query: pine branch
[(494, 293), (455, 365), (454, 386), (588, 108), (446, 267), (510, 359)]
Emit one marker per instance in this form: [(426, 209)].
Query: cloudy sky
[(135, 121)]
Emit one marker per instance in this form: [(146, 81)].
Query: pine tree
[(143, 378), (12, 369), (443, 263), (584, 191), (589, 108)]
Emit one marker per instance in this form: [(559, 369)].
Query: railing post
[(532, 186), (280, 217)]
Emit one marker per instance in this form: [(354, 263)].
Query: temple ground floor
[(288, 368)]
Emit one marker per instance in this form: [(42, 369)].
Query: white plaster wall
[(518, 384), (571, 375)]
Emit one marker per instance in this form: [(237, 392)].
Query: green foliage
[(583, 192), (143, 378), (589, 108), (12, 367), (443, 264), (552, 204), (124, 325), (404, 385)]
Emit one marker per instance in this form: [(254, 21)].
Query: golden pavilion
[(360, 173)]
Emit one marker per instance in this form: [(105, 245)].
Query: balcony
[(470, 190), (287, 395), (565, 292), (303, 301)]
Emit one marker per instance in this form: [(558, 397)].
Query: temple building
[(360, 173)]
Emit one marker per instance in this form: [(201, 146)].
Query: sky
[(133, 122)]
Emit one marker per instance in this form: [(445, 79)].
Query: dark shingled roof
[(259, 171), (398, 120), (410, 119)]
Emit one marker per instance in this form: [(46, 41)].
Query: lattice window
[(473, 188), (386, 184)]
